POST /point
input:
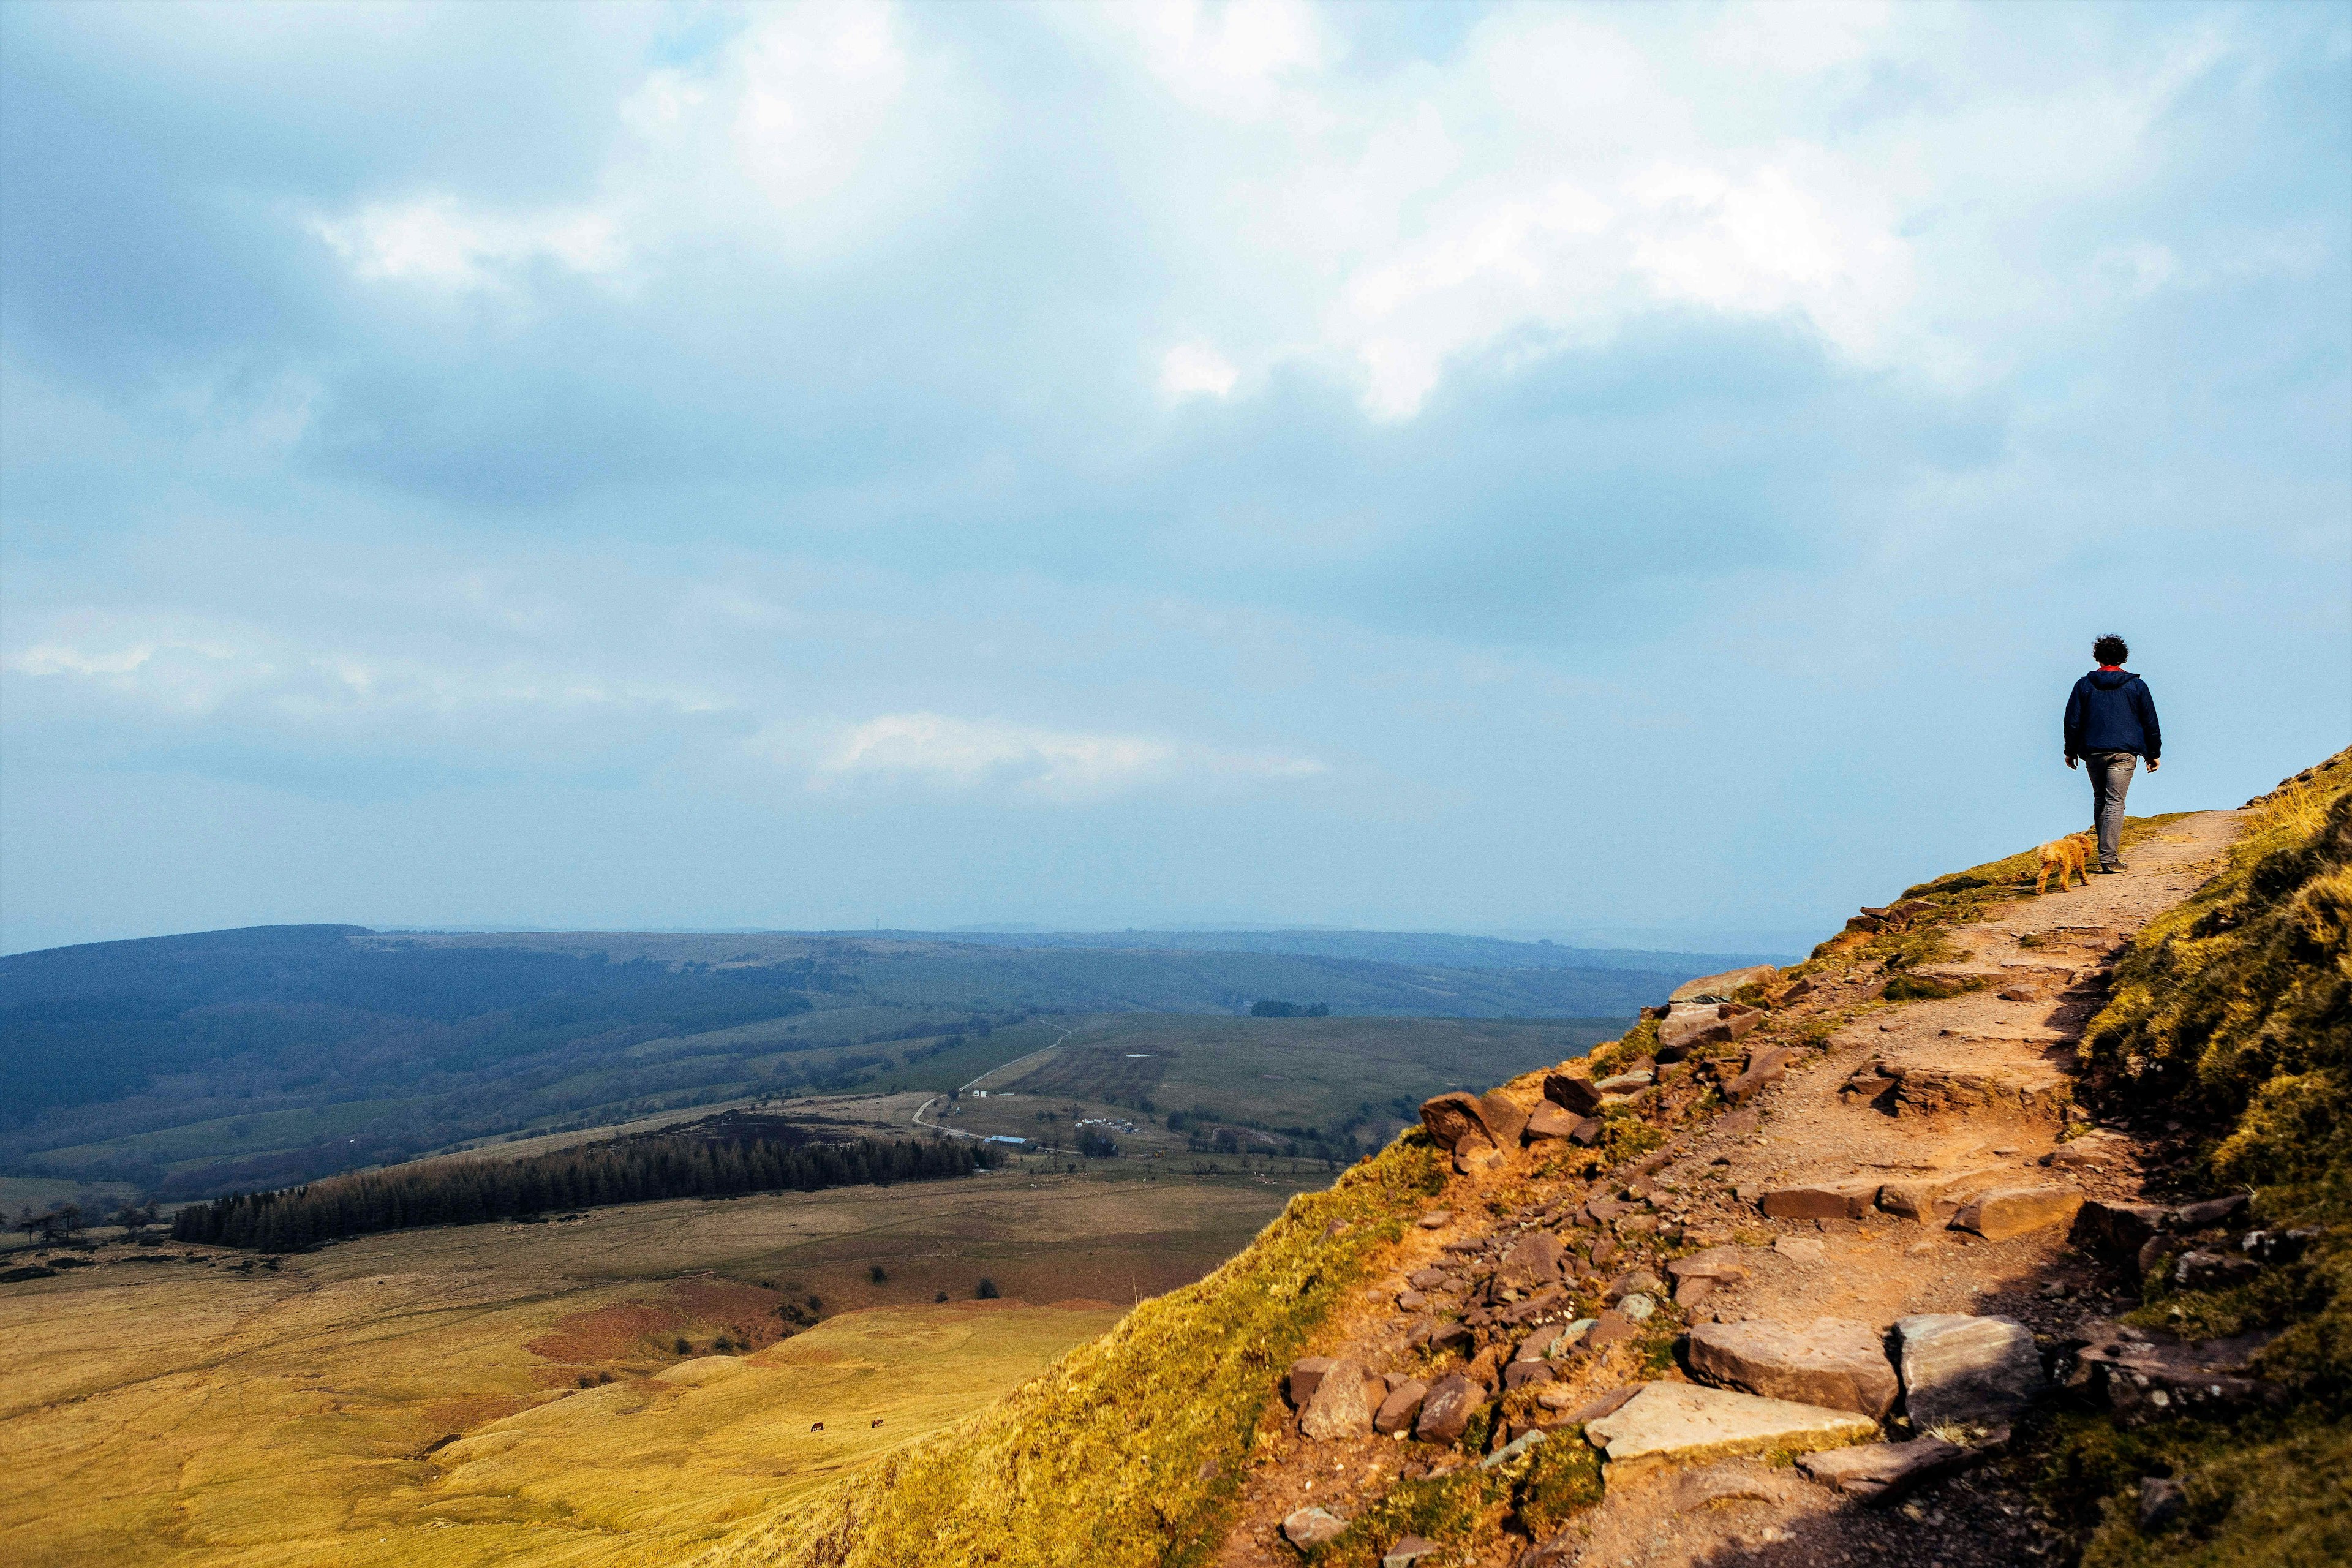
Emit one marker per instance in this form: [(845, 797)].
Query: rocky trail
[(1872, 1229)]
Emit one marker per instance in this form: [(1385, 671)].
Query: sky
[(1547, 468)]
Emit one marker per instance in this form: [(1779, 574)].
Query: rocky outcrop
[(1719, 987), (1341, 1405), (2005, 1212), (1883, 1472)]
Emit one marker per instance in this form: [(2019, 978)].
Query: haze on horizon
[(1517, 468)]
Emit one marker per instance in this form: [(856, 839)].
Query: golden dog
[(2069, 856)]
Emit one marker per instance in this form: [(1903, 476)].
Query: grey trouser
[(2111, 776)]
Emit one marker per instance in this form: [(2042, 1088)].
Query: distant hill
[(259, 1056), (1433, 949)]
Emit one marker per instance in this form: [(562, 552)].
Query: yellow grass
[(171, 1413)]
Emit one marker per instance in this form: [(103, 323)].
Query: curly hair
[(2110, 649)]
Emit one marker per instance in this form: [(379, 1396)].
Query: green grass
[(2232, 1013)]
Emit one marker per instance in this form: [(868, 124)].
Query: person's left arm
[(2145, 701)]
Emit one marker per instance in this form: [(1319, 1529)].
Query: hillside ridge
[(1871, 1214)]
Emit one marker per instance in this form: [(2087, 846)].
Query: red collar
[(2113, 666)]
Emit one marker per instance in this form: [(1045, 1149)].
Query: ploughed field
[(576, 1390)]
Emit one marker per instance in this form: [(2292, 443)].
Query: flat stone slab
[(1835, 1363), (1723, 984), (1882, 1472), (1962, 1369), (2016, 1211), (1848, 1199), (1683, 1423), (1311, 1527)]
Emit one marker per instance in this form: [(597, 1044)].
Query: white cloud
[(965, 753), (1232, 58), (1191, 369), (436, 239)]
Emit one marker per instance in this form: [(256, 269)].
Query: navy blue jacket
[(2111, 711)]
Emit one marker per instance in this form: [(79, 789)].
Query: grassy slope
[(1123, 1453), (2233, 1013)]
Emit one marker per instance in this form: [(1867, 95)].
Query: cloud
[(1191, 369), (434, 240), (953, 753)]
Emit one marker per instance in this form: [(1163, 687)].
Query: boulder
[(1570, 1092), (1504, 1121), (1339, 1407), (1548, 1121), (2014, 1211), (1632, 1281), (1397, 1411), (1447, 1407), (1957, 1368), (1305, 1374), (1435, 1219), (1311, 1527), (1882, 1472), (1532, 1263), (1454, 1116), (1830, 1362), (1588, 1131), (1609, 1327), (1849, 1199), (1688, 1423), (1474, 1154), (1723, 1264), (1722, 986), (1408, 1553)]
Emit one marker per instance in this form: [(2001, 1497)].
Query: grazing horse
[(819, 1426)]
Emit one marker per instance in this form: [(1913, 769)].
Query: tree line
[(590, 1176)]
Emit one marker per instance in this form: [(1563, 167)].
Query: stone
[(2144, 1377), (1474, 1154), (1607, 1327), (1722, 986), (1692, 1292), (1538, 1345), (1720, 1263), (1408, 1553), (1637, 1307), (1688, 1026), (1764, 1067), (1435, 1219), (1306, 1375), (1934, 1199), (1504, 1121), (1849, 1199), (1835, 1362), (1548, 1121), (1521, 1441), (1883, 1472), (1311, 1527), (1411, 1300), (1958, 1368), (1427, 1279), (1738, 1123), (1447, 1407), (2212, 1212), (1532, 1262), (1588, 1131), (1941, 1091), (1688, 1423), (1803, 1249), (2197, 1270), (1571, 1092), (1454, 1116), (1339, 1406), (1631, 1281), (1519, 1373), (2160, 1500), (2006, 1212), (1398, 1410)]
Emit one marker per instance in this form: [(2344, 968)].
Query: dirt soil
[(1983, 1098)]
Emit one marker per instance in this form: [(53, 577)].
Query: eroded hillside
[(2004, 1228)]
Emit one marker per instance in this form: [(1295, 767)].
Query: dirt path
[(1930, 1103)]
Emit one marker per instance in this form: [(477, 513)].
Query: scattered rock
[(2014, 1211), (1427, 1279), (1408, 1551), (1962, 1369), (1447, 1407), (1883, 1472), (1736, 1480), (1637, 1307), (1411, 1300), (1631, 1281), (2118, 1229), (1339, 1406), (1588, 1131), (1397, 1411), (1435, 1219), (1831, 1362), (1608, 1329), (1532, 1262), (1571, 1092), (1306, 1375), (2197, 1270), (1680, 1421), (1538, 1345), (1548, 1121), (1803, 1249), (1311, 1527), (1474, 1154), (1454, 1116), (1848, 1199), (2143, 1376)]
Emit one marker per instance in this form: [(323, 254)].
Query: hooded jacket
[(2110, 710)]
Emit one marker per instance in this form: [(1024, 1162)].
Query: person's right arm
[(2074, 724)]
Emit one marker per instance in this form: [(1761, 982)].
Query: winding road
[(960, 1132)]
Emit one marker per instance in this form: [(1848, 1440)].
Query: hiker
[(2111, 724)]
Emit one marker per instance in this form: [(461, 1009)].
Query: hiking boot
[(2111, 870)]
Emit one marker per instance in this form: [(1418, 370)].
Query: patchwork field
[(569, 1392)]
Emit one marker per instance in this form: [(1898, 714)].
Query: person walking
[(2111, 725)]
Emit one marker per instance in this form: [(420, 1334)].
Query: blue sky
[(1539, 469)]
